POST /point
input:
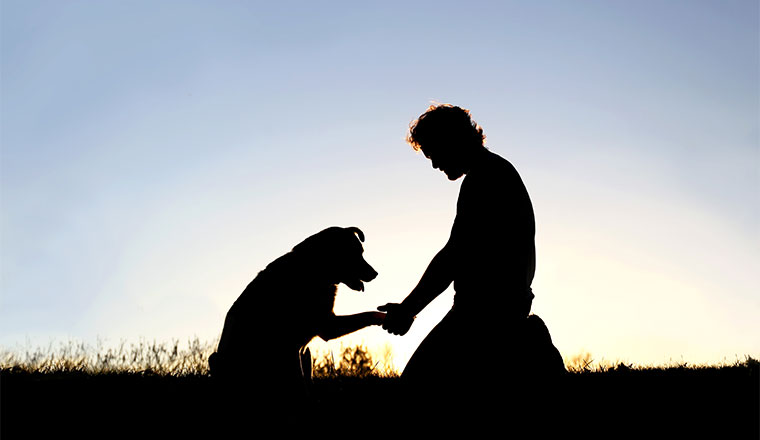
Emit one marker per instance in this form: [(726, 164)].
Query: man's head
[(448, 137)]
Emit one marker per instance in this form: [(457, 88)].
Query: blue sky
[(156, 155)]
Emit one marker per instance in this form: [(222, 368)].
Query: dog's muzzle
[(365, 274)]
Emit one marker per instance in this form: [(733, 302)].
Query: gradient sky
[(157, 154)]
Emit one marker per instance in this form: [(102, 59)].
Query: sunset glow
[(156, 155)]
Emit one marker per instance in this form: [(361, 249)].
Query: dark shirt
[(493, 239)]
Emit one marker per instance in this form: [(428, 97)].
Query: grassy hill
[(353, 399)]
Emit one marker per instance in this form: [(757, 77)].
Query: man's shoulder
[(493, 166), (495, 176), (498, 160)]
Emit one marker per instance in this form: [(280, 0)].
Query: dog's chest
[(322, 300), (315, 307), (291, 311)]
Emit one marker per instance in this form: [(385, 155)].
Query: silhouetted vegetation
[(353, 362), (167, 359), (144, 357), (152, 389)]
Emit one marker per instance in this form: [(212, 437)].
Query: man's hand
[(398, 320)]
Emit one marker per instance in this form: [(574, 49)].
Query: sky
[(155, 155)]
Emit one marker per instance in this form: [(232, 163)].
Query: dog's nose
[(371, 273)]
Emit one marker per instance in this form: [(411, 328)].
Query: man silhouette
[(489, 257)]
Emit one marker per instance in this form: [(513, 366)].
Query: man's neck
[(476, 157)]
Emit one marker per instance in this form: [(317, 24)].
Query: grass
[(147, 389), (172, 358), (178, 359), (58, 388), (145, 357), (584, 363)]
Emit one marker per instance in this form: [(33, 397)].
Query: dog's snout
[(373, 274), (369, 273)]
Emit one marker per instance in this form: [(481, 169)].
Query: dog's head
[(338, 253)]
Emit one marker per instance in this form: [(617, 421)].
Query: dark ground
[(650, 403)]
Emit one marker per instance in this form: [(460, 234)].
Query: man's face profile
[(445, 159)]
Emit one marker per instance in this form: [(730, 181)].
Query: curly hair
[(444, 123)]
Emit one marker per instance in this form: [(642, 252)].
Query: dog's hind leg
[(306, 363)]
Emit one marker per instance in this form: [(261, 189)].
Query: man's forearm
[(437, 278)]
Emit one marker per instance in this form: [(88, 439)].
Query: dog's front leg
[(338, 326)]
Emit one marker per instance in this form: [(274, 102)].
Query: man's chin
[(454, 176)]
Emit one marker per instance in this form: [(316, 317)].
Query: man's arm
[(437, 278)]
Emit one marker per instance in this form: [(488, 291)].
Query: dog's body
[(286, 306)]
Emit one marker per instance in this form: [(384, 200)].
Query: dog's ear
[(357, 231)]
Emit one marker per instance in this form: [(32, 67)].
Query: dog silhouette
[(261, 354)]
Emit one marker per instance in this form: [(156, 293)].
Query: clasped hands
[(398, 319)]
